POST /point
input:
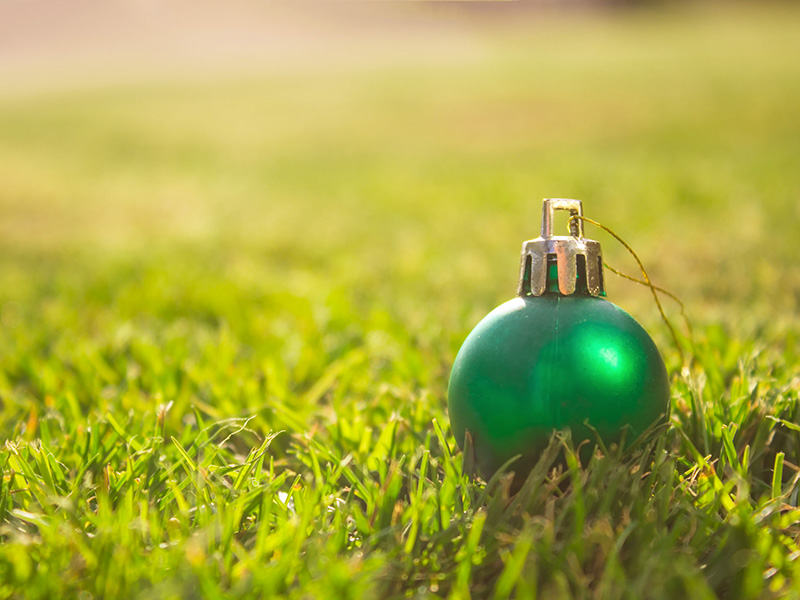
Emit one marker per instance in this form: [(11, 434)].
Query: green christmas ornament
[(557, 356)]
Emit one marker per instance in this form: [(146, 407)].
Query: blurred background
[(381, 163)]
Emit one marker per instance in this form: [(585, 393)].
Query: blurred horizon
[(51, 45)]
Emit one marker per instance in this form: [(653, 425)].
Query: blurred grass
[(310, 248)]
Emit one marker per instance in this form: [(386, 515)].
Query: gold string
[(646, 282)]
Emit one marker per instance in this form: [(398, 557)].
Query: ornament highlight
[(557, 356)]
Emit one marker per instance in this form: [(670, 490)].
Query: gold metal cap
[(577, 259)]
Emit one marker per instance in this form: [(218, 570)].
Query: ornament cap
[(578, 261)]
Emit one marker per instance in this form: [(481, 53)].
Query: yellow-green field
[(229, 305)]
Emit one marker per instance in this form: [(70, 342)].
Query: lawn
[(229, 307)]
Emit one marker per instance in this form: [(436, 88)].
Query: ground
[(229, 306)]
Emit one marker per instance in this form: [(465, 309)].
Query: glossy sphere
[(537, 364)]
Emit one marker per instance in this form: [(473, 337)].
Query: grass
[(229, 310)]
